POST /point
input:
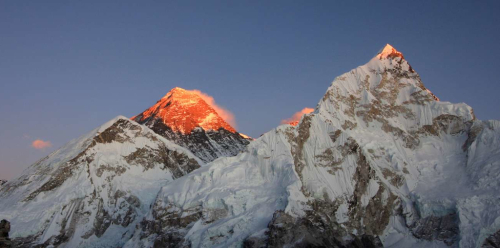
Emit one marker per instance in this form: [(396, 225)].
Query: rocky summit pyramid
[(183, 117), (381, 162)]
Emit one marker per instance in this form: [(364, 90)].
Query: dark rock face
[(4, 229), (284, 229), (492, 241), (178, 163), (447, 124), (311, 231), (255, 242), (206, 145), (4, 234), (443, 228), (170, 224)]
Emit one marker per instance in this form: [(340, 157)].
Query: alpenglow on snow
[(183, 117)]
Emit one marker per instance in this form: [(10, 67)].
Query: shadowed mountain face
[(183, 117)]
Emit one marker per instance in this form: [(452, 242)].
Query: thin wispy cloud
[(41, 144)]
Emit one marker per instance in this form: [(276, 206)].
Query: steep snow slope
[(92, 191), (381, 161), (183, 117)]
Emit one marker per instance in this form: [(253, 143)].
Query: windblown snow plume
[(294, 120), (225, 114)]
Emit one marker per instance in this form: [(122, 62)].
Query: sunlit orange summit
[(184, 110), (294, 120)]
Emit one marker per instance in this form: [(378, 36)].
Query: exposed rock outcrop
[(313, 231), (205, 144), (5, 241), (493, 241), (443, 228)]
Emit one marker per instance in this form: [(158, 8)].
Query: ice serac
[(380, 162), (183, 117), (93, 191)]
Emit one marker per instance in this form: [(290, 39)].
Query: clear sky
[(67, 67)]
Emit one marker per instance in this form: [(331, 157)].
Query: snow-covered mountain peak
[(389, 52), (192, 120), (109, 123), (94, 190), (184, 110), (386, 90), (181, 94), (380, 162), (175, 89)]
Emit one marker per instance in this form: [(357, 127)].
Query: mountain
[(380, 162), (183, 117), (93, 191)]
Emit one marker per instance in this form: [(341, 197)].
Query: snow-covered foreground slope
[(380, 162), (94, 190)]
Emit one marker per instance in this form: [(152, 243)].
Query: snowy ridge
[(227, 188), (381, 162), (92, 191)]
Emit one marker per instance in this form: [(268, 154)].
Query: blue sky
[(68, 66)]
